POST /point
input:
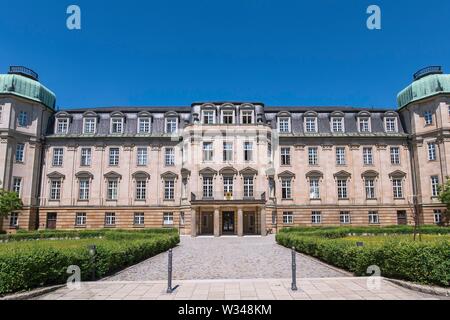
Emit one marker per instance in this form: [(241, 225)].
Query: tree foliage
[(9, 202), (444, 197)]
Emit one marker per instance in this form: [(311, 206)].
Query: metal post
[(294, 271), (93, 253), (169, 279)]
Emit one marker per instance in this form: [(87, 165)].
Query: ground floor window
[(316, 217), (344, 217), (437, 214), (168, 218), (374, 217), (110, 219), (14, 220), (288, 217), (80, 219), (139, 219)]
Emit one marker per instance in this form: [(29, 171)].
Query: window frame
[(285, 154), (80, 219), (345, 217), (144, 123), (335, 120), (227, 152), (310, 124), (340, 157), (342, 188), (84, 191), (59, 122), (22, 119), (374, 217), (139, 219), (288, 217), (174, 125), (368, 156), (20, 150), (434, 186), (223, 116), (314, 188), (55, 189), (395, 157), (115, 123), (169, 156), (432, 151), (17, 188), (313, 157), (248, 151), (208, 151), (286, 188), (169, 189), (428, 118), (288, 123), (140, 190), (114, 157), (112, 189), (316, 217), (87, 124), (168, 219), (395, 124), (110, 219), (58, 157), (208, 116), (397, 189), (87, 162), (141, 156)]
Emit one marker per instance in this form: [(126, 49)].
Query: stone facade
[(222, 167)]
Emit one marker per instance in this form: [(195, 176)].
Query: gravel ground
[(227, 258)]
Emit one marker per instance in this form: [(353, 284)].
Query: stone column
[(263, 221), (193, 222), (216, 222), (240, 223)]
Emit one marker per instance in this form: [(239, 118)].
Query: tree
[(9, 202), (444, 197)]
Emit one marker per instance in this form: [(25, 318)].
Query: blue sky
[(172, 53)]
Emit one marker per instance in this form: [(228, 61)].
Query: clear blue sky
[(175, 52)]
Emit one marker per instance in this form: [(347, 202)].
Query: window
[(428, 117), (431, 151), (288, 217), (227, 151), (434, 186), (286, 156), (110, 219), (144, 125), (369, 184), (340, 156), (23, 119), (248, 151), (84, 189), (228, 186), (310, 124), (344, 217), (342, 189), (168, 218), (112, 192), (373, 217), (208, 116), (89, 125), (395, 155), (364, 125), (80, 219), (367, 156), (228, 117), (337, 124), (58, 154), (313, 156), (207, 187), (171, 125), (55, 189), (269, 151), (142, 156), (86, 157), (141, 188), (316, 217), (207, 151), (138, 219), (117, 125), (14, 220), (248, 187), (20, 152), (114, 156), (247, 117), (17, 185), (62, 126), (170, 156), (391, 124), (437, 214), (284, 125), (314, 189), (169, 189), (286, 192), (397, 188)]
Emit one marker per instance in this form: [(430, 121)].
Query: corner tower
[(25, 109)]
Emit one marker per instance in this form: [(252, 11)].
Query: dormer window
[(62, 126), (310, 124), (227, 116), (247, 117), (390, 124), (428, 117), (337, 124), (364, 124), (284, 124), (208, 116), (89, 125), (171, 125), (144, 125), (116, 125), (23, 119)]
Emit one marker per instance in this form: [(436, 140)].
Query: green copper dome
[(27, 88), (424, 87)]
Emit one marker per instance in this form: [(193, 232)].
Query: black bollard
[(169, 278), (294, 271)]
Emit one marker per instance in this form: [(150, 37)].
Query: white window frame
[(313, 156), (114, 156), (84, 185), (428, 118), (139, 219), (345, 217), (173, 127), (62, 126), (248, 151), (227, 151), (14, 220), (314, 188), (434, 186), (22, 119), (222, 116), (110, 219), (116, 123), (208, 116), (20, 153), (387, 126), (248, 187), (369, 186), (285, 153), (286, 186), (316, 217), (310, 124), (340, 156), (86, 157), (142, 156), (228, 182), (395, 155), (362, 120), (87, 125), (208, 151), (337, 125), (141, 190), (208, 187), (342, 188), (169, 156), (169, 189), (144, 125), (367, 156), (288, 217), (245, 113), (17, 185), (168, 218), (397, 188), (284, 129), (55, 189), (374, 217), (432, 154), (80, 219), (112, 189), (58, 157), (437, 216)]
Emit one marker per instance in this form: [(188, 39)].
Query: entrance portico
[(228, 220)]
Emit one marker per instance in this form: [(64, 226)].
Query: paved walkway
[(228, 258), (348, 288)]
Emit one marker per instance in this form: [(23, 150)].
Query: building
[(223, 167)]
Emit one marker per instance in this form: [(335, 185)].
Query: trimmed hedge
[(423, 262), (27, 266)]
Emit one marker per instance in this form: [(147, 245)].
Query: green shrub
[(26, 265), (423, 262)]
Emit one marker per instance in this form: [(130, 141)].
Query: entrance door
[(402, 218), (249, 223), (207, 226), (228, 222), (51, 220)]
